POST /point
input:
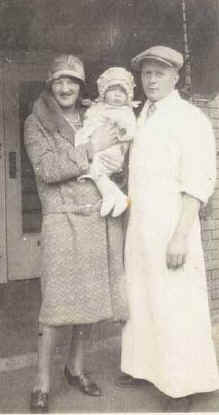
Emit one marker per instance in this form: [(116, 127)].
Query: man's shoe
[(125, 381), (39, 402), (83, 382), (178, 404)]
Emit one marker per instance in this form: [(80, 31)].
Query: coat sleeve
[(198, 156), (49, 165)]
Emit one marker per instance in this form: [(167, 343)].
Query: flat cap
[(164, 54)]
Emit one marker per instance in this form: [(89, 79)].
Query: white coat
[(167, 340)]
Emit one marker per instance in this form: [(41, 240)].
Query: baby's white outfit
[(124, 121)]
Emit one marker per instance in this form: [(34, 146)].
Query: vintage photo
[(109, 207)]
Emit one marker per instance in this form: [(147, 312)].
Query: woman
[(82, 263)]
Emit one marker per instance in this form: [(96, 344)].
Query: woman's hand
[(104, 137), (176, 251)]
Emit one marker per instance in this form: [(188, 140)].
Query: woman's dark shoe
[(126, 381), (39, 401), (83, 382)]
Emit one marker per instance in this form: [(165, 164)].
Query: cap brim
[(137, 62)]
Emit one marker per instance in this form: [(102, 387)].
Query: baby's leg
[(108, 161), (104, 164), (114, 200)]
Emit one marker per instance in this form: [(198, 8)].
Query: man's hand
[(177, 247), (176, 251), (104, 137)]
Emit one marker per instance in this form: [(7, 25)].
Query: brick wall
[(210, 216)]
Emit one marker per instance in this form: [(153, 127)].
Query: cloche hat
[(66, 65)]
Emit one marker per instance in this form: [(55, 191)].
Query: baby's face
[(116, 95)]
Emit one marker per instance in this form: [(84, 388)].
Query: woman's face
[(65, 91)]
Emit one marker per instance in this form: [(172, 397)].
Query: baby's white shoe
[(113, 198), (107, 205), (106, 189), (121, 205)]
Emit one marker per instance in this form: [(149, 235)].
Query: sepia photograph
[(109, 206)]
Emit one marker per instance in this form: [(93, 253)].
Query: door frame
[(17, 59), (3, 235), (23, 249)]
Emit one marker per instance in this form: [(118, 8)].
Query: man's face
[(65, 91), (158, 80)]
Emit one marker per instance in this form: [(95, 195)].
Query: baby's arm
[(93, 119), (84, 134), (125, 123)]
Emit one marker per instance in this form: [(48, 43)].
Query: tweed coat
[(82, 253)]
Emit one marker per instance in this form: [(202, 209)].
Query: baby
[(114, 107)]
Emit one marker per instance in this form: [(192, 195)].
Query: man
[(167, 340)]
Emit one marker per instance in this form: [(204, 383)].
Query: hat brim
[(137, 62), (62, 73)]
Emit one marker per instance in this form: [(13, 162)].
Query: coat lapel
[(51, 117)]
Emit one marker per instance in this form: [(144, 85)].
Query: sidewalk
[(103, 362), (18, 331)]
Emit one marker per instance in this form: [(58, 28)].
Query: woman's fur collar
[(50, 115)]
